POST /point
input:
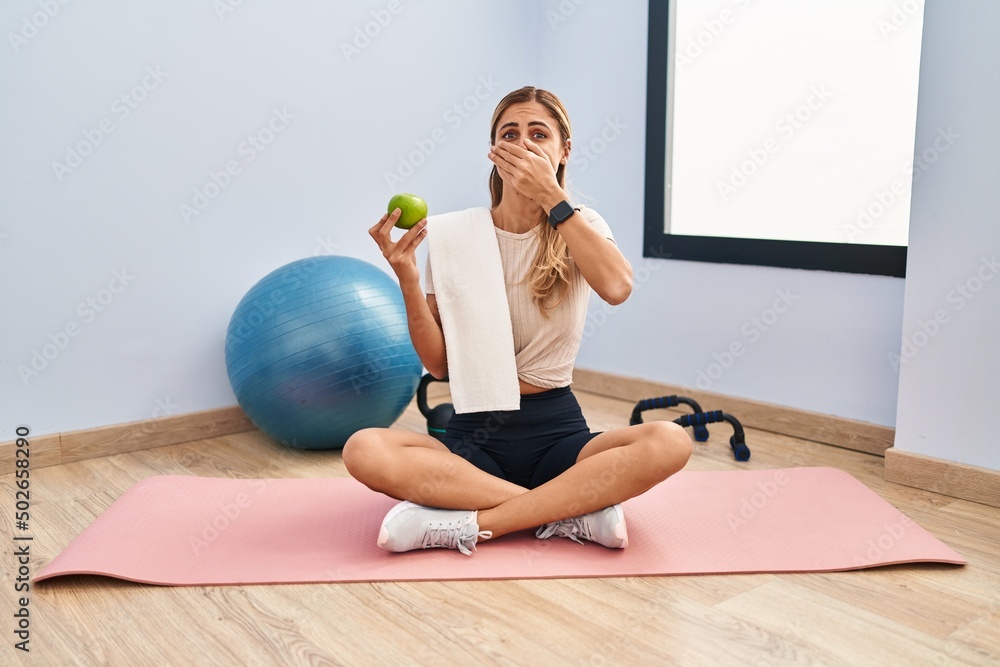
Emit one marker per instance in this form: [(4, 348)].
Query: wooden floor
[(902, 615)]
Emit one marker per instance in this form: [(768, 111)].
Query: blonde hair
[(548, 278)]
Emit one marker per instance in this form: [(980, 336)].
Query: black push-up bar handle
[(700, 432), (737, 441)]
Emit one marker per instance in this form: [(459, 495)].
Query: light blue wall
[(950, 365), (826, 353), (157, 346)]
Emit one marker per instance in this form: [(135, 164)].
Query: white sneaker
[(605, 527), (409, 526)]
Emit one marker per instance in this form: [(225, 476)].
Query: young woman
[(540, 466)]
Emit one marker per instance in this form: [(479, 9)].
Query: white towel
[(475, 317)]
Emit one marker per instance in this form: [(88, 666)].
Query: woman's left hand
[(527, 170)]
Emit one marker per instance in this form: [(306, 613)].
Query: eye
[(509, 134), (539, 135)]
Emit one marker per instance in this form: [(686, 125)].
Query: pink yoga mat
[(186, 531)]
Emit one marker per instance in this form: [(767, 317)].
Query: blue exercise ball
[(319, 349)]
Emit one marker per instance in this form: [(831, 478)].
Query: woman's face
[(532, 121)]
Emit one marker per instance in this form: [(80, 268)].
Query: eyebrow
[(530, 123)]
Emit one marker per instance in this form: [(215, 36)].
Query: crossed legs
[(614, 466)]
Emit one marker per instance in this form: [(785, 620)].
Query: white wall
[(949, 368), (156, 346), (826, 353)]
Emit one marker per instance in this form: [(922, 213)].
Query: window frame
[(840, 257)]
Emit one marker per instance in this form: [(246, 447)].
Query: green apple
[(412, 208)]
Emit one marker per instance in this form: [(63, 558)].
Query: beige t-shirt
[(544, 348)]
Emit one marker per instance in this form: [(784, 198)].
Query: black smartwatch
[(561, 212)]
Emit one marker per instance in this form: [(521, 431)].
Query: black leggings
[(529, 446)]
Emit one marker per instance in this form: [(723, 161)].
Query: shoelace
[(453, 535), (570, 528)]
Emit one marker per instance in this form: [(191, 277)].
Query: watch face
[(560, 213)]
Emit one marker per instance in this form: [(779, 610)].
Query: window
[(780, 133)]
